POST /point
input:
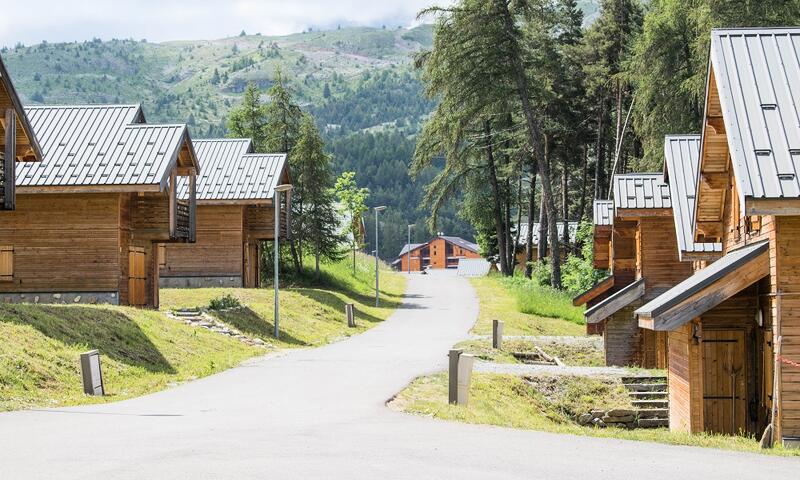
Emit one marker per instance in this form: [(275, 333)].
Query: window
[(6, 263)]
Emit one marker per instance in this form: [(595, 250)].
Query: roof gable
[(603, 212), (102, 145), (756, 72), (27, 144), (681, 162), (458, 241)]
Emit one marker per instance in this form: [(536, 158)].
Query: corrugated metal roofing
[(523, 231), (232, 172), (726, 265), (681, 162), (473, 267), (641, 190), (603, 212), (92, 145), (461, 243), (757, 72), (8, 88)]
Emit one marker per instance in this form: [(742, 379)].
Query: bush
[(224, 302), (578, 273), (543, 300)]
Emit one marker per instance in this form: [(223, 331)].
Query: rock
[(620, 412), (598, 423), (585, 419), (77, 299), (92, 300), (626, 419), (36, 299), (597, 413), (56, 296)]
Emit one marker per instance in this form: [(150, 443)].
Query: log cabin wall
[(685, 379), (785, 280), (622, 338), (657, 256), (217, 256), (601, 247), (438, 257)]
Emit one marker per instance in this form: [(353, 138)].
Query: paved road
[(320, 414)]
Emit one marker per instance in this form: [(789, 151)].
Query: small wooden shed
[(235, 214), (17, 141), (734, 326), (89, 217)]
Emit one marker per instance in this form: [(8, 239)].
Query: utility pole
[(276, 285)]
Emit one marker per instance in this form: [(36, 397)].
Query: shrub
[(578, 273), (224, 302), (543, 300)]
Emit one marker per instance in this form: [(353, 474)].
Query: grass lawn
[(310, 315), (142, 351), (502, 301), (510, 401), (573, 351)]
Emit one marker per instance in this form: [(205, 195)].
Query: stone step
[(650, 403), (652, 422), (640, 380), (187, 313), (649, 395), (651, 413), (646, 387)]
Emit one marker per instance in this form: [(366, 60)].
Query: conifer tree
[(249, 120)]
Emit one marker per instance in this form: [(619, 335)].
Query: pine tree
[(249, 120), (352, 201)]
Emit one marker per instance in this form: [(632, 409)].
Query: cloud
[(32, 21)]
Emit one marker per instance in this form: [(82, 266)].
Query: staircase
[(650, 397), (197, 318)]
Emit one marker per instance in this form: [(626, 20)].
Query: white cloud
[(31, 21)]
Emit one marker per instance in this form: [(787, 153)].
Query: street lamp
[(377, 283), (276, 286), (409, 247)]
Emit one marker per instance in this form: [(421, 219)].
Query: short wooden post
[(349, 310), (497, 334), (465, 363), (452, 396)]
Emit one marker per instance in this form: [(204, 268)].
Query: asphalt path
[(321, 413)]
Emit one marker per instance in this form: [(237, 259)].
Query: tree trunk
[(618, 137), (519, 230), (544, 229), (496, 206), (509, 245), (565, 207), (529, 234), (534, 132), (584, 179), (599, 152)]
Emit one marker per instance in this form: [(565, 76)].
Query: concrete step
[(651, 413), (649, 395), (646, 387), (652, 422), (650, 403)]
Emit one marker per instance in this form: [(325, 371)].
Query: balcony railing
[(183, 219)]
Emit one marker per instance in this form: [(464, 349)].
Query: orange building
[(440, 252)]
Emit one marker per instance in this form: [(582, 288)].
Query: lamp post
[(276, 285), (377, 283), (409, 247)]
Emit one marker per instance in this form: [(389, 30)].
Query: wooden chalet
[(643, 261), (17, 141), (89, 217), (235, 213), (734, 326), (441, 252)]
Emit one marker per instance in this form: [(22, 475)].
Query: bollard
[(465, 363), (460, 376), (497, 334), (92, 374), (349, 310)]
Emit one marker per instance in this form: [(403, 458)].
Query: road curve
[(321, 413)]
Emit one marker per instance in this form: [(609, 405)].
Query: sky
[(32, 21)]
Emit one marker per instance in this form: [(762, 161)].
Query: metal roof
[(473, 267), (702, 279), (757, 72), (681, 162), (523, 231), (231, 172), (603, 212), (7, 90), (461, 243), (97, 145), (640, 190), (615, 302), (413, 246)]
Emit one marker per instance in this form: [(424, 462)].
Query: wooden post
[(452, 396), (497, 334), (465, 363), (173, 204), (9, 160), (192, 206), (350, 312)]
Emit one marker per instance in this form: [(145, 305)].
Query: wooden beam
[(612, 304), (598, 288), (9, 161), (89, 189), (643, 212), (709, 229), (716, 124), (772, 206), (714, 181)]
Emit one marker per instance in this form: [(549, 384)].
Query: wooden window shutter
[(6, 263), (162, 255)]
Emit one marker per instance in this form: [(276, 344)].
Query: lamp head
[(286, 187), (380, 209)]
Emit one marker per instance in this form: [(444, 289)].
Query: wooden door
[(136, 277), (251, 265), (724, 381)]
